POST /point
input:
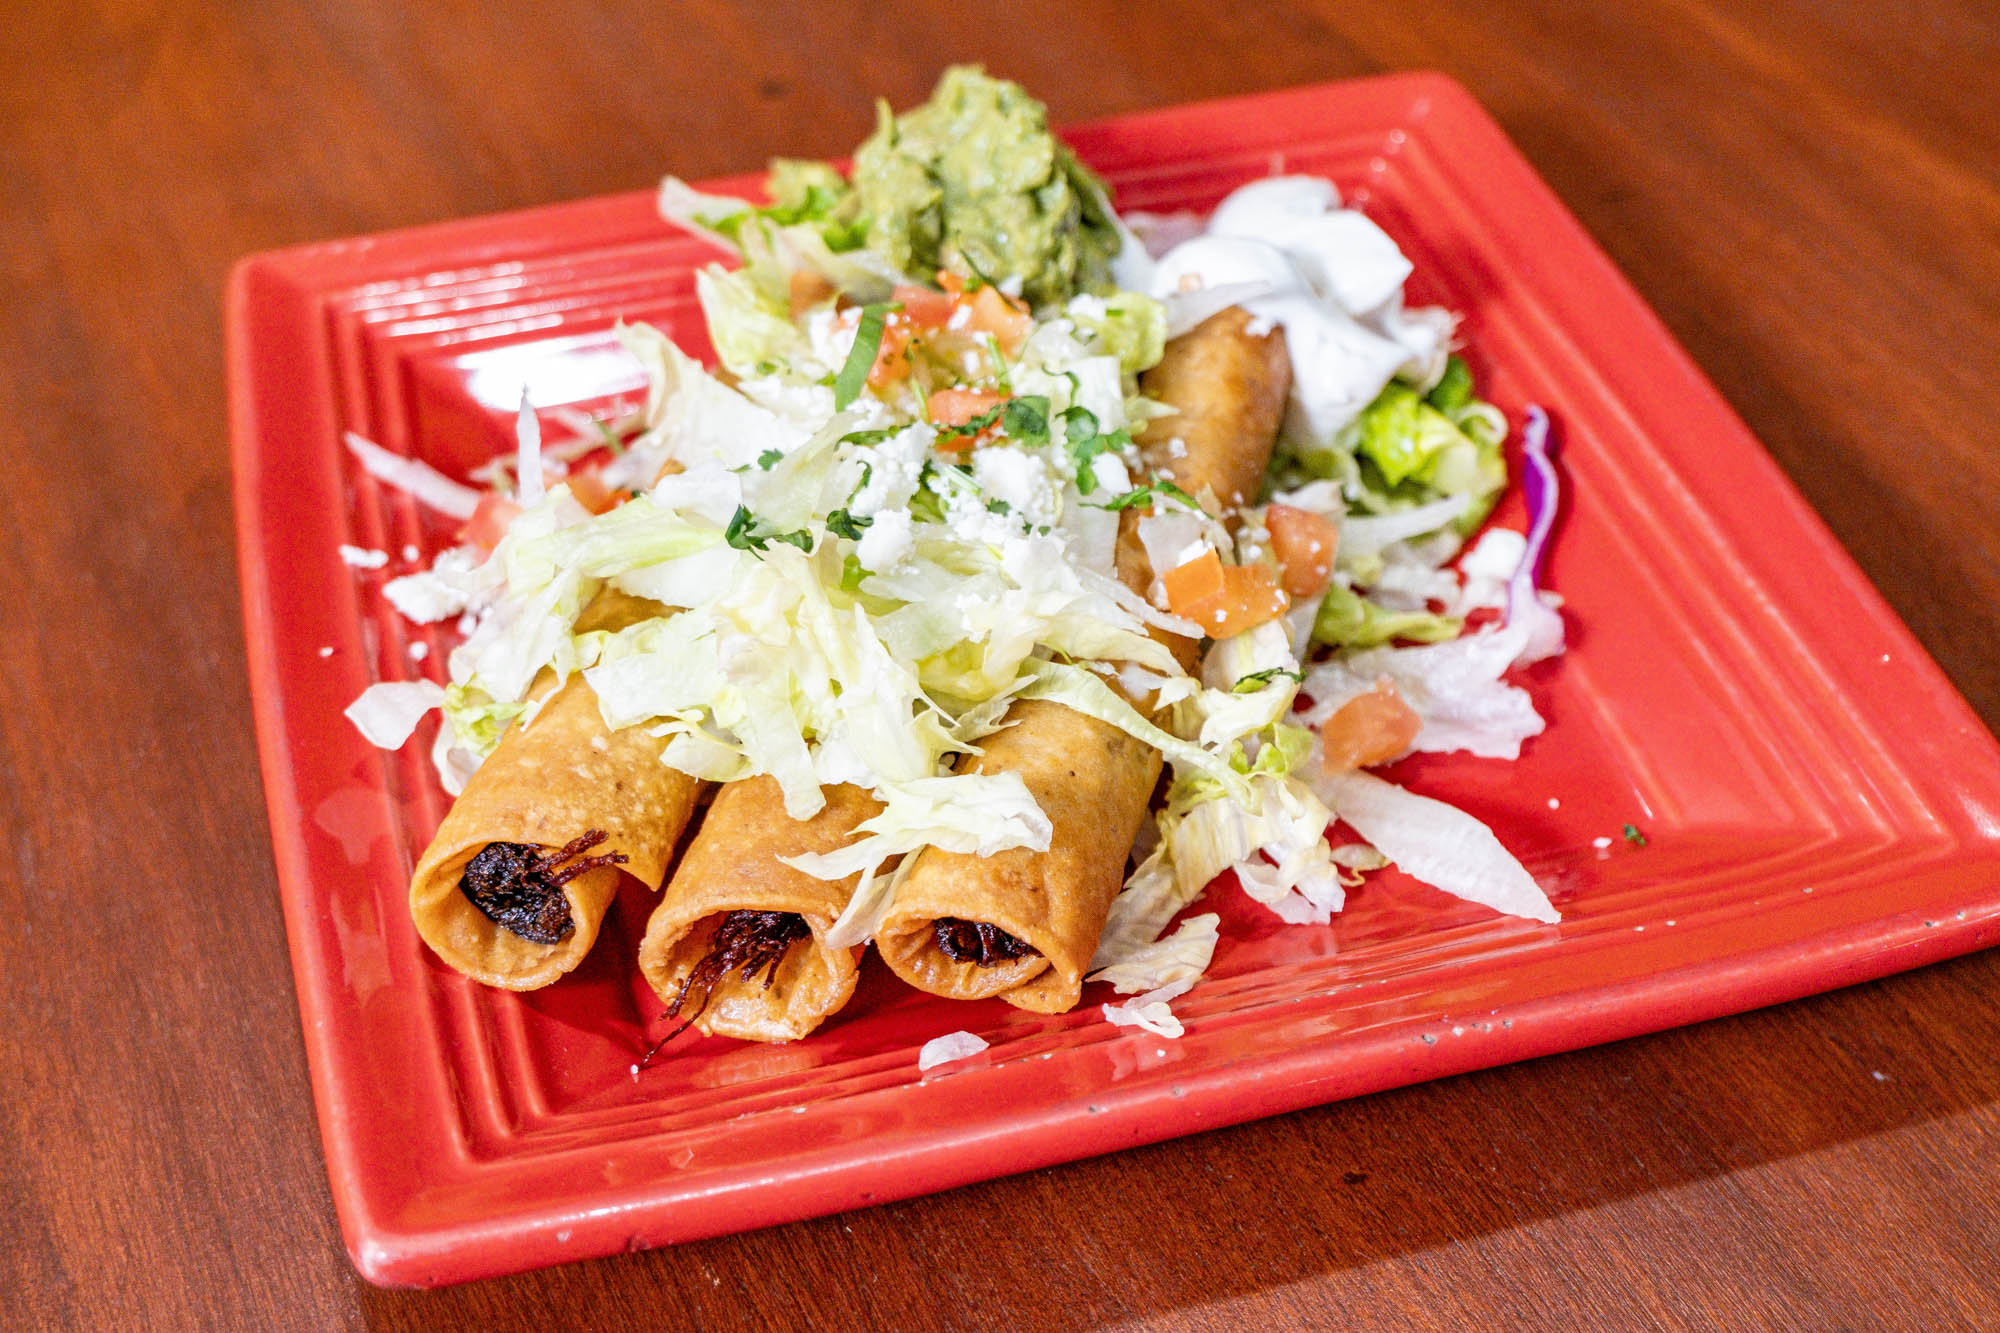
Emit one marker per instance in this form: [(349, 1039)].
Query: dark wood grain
[(1808, 194)]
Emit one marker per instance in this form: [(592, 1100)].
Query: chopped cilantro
[(851, 573), (1086, 445), (1027, 418), (1257, 680), (972, 427), (999, 507), (769, 458), (843, 524), (1158, 486), (743, 535), (1634, 836)]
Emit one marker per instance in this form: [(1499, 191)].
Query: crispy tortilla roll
[(1228, 387), (1023, 925), (515, 885), (737, 947)]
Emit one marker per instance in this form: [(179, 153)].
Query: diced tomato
[(591, 492), (489, 521), (1305, 544), (807, 289), (923, 307), (1198, 580), (1369, 729), (955, 407), (892, 358), (1008, 321), (1223, 599)]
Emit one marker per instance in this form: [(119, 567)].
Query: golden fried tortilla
[(1228, 386), (550, 783), (695, 955)]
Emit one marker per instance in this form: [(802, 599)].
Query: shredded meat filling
[(520, 887), (977, 942), (750, 942)]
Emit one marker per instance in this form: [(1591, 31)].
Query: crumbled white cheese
[(1022, 480), (360, 557), (886, 542), (972, 521), (419, 650), (1111, 474), (326, 651), (410, 552), (894, 468)]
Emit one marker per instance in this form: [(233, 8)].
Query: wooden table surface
[(1809, 194)]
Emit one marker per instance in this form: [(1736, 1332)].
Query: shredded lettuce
[(1436, 843), (1346, 619), (1181, 956), (1078, 689), (1275, 840), (1130, 326), (387, 713), (976, 813), (1455, 688), (1152, 896), (1150, 1011)]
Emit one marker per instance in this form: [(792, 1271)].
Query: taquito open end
[(560, 778), (739, 939), (1094, 782)]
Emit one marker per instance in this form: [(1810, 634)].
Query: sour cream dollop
[(1286, 251)]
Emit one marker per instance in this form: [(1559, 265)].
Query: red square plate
[(1821, 806)]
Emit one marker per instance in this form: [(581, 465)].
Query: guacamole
[(972, 181)]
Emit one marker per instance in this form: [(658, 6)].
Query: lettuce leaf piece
[(477, 719), (1434, 842), (1281, 818), (811, 193), (979, 814), (1128, 325), (1150, 1012), (1181, 956), (1076, 688), (749, 328), (1346, 619), (1152, 896)]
